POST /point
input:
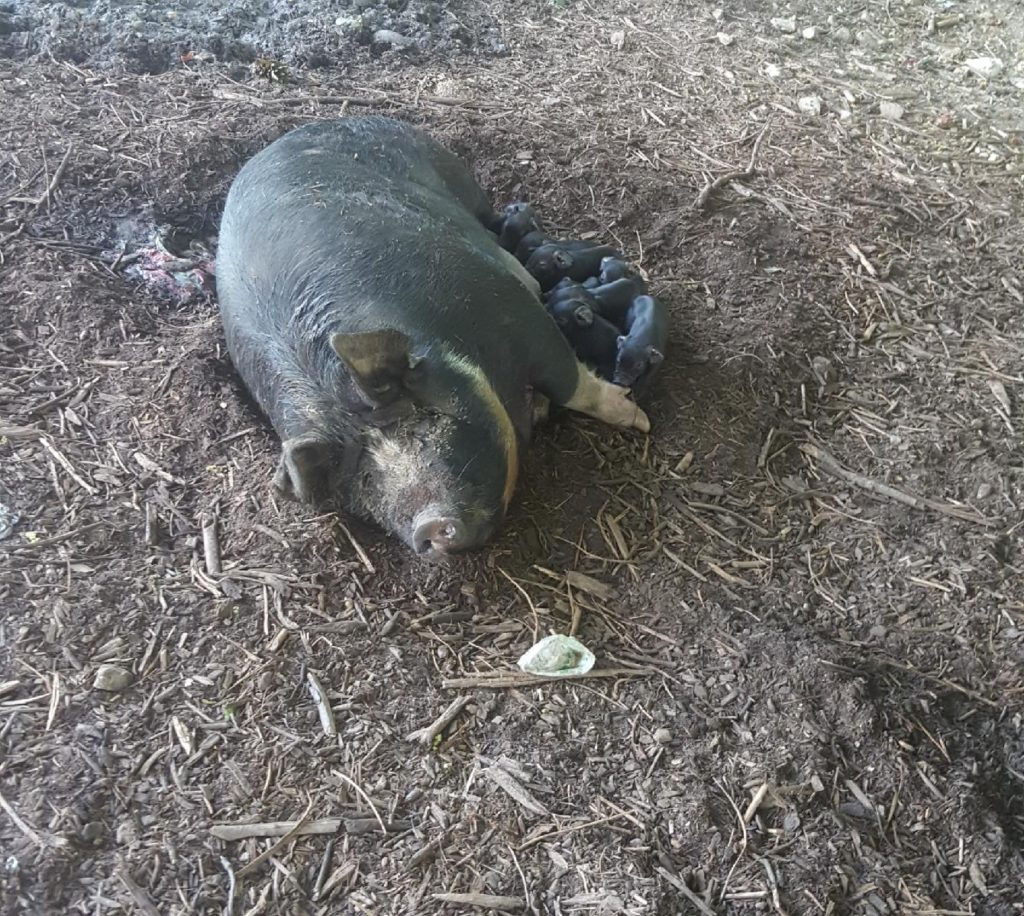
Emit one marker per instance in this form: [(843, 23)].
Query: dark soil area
[(153, 37), (807, 578)]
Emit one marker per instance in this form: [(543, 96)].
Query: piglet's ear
[(584, 315), (303, 469), (378, 361), (655, 356)]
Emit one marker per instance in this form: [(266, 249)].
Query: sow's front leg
[(561, 377), (600, 399)]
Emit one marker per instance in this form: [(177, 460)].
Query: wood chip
[(755, 803), (1000, 394), (680, 886), (486, 901), (141, 898), (148, 464), (589, 585), (511, 786), (323, 705), (27, 830), (211, 545), (183, 734)]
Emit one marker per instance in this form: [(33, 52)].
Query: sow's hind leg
[(560, 376)]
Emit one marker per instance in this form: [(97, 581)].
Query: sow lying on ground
[(396, 347)]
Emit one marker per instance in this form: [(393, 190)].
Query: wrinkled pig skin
[(396, 348)]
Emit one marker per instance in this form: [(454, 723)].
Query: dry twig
[(231, 833), (428, 733), (832, 466), (680, 886), (485, 901), (280, 844), (141, 898), (499, 679), (746, 174)]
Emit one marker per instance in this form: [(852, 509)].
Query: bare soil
[(808, 577)]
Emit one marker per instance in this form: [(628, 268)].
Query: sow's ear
[(303, 468), (380, 363)]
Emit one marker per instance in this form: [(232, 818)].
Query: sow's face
[(437, 481), (437, 456)]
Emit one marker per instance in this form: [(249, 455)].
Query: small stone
[(823, 370), (446, 89), (348, 23), (111, 677), (725, 39), (791, 822), (984, 489), (226, 609), (855, 809), (772, 71), (126, 834), (663, 736), (718, 15), (395, 39), (618, 40), (810, 33), (843, 34), (810, 104), (8, 519), (985, 67), (891, 110), (785, 24), (93, 832)]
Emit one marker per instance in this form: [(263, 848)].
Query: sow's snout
[(437, 534)]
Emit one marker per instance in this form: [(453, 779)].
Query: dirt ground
[(806, 582)]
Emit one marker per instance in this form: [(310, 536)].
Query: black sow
[(398, 350)]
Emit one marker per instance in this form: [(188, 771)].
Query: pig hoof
[(619, 410), (605, 401)]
